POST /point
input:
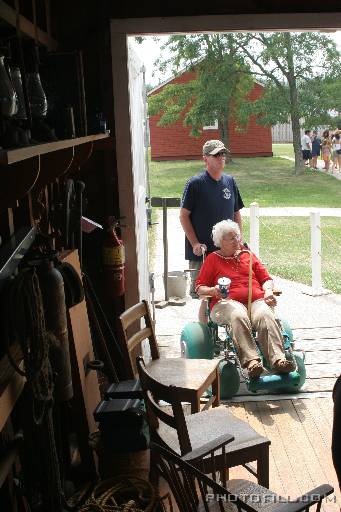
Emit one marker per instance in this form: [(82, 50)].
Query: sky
[(149, 51)]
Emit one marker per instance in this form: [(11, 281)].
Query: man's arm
[(238, 219), (187, 226)]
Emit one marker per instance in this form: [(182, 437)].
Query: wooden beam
[(261, 22), (8, 14), (124, 144)]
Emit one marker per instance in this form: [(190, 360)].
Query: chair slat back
[(154, 391), (191, 487), (133, 334)]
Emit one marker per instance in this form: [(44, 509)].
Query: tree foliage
[(300, 72), (222, 81)]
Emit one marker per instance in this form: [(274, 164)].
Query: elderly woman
[(233, 261)]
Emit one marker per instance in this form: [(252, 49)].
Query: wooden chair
[(194, 491), (191, 376), (196, 433)]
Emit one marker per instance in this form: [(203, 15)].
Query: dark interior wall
[(83, 26)]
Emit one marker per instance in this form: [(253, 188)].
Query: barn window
[(213, 126)]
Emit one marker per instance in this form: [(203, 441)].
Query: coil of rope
[(24, 321), (125, 493), (23, 316)]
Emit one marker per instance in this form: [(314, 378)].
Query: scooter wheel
[(197, 341), (229, 379), (299, 358), (287, 329)]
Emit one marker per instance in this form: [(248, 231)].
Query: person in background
[(337, 151), (315, 149), (208, 198), (239, 310), (326, 149), (306, 147), (336, 436)]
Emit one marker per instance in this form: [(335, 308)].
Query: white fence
[(281, 133), (315, 230)]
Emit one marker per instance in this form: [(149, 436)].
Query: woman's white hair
[(222, 229)]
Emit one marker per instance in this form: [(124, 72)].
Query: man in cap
[(208, 198)]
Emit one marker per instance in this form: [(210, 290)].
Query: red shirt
[(237, 269)]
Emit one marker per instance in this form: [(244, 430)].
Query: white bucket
[(177, 284)]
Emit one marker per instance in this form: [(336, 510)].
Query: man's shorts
[(306, 153)]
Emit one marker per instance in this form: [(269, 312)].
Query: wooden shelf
[(8, 14), (11, 156)]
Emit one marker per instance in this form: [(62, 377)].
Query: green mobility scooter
[(206, 341)]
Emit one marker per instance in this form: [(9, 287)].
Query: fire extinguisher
[(113, 263)]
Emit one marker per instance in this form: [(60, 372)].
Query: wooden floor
[(300, 434), (299, 427)]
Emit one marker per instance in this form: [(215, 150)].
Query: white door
[(138, 151)]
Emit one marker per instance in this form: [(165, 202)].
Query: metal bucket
[(177, 284)]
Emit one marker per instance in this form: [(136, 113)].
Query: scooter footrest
[(274, 382)]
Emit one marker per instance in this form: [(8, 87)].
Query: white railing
[(315, 230)]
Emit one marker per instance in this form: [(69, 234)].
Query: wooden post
[(165, 246), (254, 228), (316, 277), (165, 202)]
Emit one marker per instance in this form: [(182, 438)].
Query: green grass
[(285, 248), (283, 150), (285, 241), (268, 181)]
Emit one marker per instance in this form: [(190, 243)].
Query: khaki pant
[(233, 313)]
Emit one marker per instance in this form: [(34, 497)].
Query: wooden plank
[(315, 431), (254, 414), (270, 414), (326, 344), (259, 22), (315, 371), (80, 337), (318, 333), (319, 384), (292, 447), (17, 155), (9, 396), (325, 357), (306, 450), (326, 408), (238, 410)]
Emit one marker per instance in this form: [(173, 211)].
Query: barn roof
[(181, 72)]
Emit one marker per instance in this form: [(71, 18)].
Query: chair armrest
[(306, 500), (208, 448)]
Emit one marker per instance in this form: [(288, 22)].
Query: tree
[(296, 68), (222, 81)]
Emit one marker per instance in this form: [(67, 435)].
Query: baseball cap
[(212, 147)]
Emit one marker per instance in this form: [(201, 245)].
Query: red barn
[(174, 142)]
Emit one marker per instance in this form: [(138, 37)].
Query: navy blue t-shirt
[(209, 202)]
